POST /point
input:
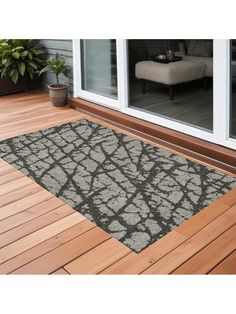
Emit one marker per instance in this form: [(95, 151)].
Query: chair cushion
[(208, 61), (170, 74)]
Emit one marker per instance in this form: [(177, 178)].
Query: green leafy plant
[(57, 65), (20, 57)]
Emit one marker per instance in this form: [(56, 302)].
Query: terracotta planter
[(59, 94)]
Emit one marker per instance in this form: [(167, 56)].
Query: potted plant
[(58, 92), (20, 60)]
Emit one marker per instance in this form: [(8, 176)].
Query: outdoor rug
[(135, 191)]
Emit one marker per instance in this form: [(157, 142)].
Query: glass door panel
[(99, 67), (172, 79)]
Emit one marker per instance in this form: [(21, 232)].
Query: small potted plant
[(58, 92), (20, 61)]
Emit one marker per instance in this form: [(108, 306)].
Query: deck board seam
[(21, 188), (31, 218), (87, 251), (31, 221), (221, 261), (30, 119), (204, 248), (187, 239), (114, 262), (26, 235), (65, 270), (8, 183), (26, 208), (49, 250), (68, 242)]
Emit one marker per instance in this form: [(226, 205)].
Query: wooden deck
[(39, 234)]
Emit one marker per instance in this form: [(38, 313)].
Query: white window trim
[(221, 98)]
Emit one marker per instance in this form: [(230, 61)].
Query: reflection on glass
[(173, 78), (233, 90), (99, 67)]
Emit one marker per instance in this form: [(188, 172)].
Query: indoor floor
[(191, 104)]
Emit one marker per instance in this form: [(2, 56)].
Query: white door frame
[(221, 98)]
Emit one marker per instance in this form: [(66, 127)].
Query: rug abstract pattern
[(135, 191)]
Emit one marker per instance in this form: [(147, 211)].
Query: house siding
[(64, 48)]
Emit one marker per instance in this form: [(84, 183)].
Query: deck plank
[(203, 217), (45, 247), (34, 225), (23, 244), (210, 256), (21, 193), (194, 244), (67, 252), (135, 263), (226, 267), (40, 123), (34, 195), (10, 177), (14, 185), (28, 214), (229, 198), (6, 169), (16, 122), (99, 258), (27, 115)]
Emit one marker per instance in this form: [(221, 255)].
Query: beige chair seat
[(208, 61), (172, 73)]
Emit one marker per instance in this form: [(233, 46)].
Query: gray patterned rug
[(135, 191)]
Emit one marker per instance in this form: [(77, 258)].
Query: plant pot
[(58, 94), (23, 84)]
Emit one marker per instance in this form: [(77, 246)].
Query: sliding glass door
[(173, 79), (95, 70), (184, 84)]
